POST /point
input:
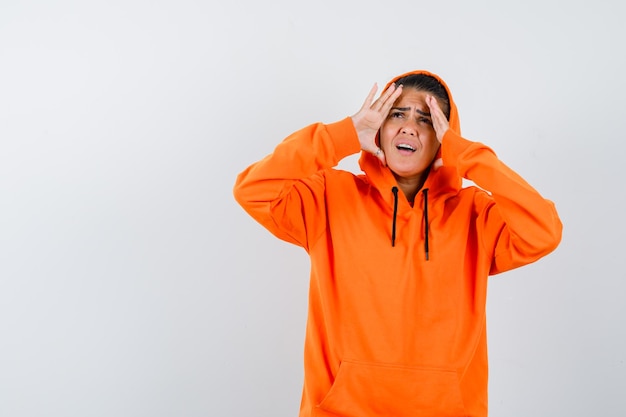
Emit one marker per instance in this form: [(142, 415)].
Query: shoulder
[(346, 183), (471, 197)]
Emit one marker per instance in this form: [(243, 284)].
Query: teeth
[(405, 146)]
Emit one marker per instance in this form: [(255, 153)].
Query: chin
[(407, 172)]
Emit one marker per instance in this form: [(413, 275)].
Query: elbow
[(547, 240), (524, 249), (537, 243), (245, 199), (553, 231), (553, 235), (547, 233), (240, 191), (238, 194)]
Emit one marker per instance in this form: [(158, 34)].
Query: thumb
[(437, 164)]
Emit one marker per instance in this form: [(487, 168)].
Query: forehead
[(411, 97)]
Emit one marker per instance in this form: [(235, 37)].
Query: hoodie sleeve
[(516, 224), (285, 191)]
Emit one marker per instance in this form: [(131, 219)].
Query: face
[(407, 135)]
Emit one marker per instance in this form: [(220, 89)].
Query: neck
[(411, 186)]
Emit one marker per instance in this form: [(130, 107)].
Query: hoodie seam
[(481, 233)]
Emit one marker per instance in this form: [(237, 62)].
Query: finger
[(370, 97), (391, 100), (440, 122), (435, 111), (437, 164), (384, 98)]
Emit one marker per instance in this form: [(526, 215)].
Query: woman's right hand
[(371, 116)]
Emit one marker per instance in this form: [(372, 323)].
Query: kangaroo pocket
[(374, 390)]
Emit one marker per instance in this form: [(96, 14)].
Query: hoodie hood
[(444, 180)]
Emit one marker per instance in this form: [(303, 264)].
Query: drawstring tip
[(427, 257)]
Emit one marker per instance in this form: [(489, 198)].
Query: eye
[(396, 115), (425, 120)]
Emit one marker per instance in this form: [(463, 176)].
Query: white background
[(132, 284)]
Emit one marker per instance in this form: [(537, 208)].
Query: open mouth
[(405, 147)]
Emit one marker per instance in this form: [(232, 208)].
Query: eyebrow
[(423, 113)]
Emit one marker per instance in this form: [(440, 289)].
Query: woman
[(399, 255)]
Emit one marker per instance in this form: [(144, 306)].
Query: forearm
[(285, 181), (299, 156)]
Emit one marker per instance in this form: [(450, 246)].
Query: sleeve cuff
[(452, 146), (344, 138)]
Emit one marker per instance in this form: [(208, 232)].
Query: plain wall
[(132, 284)]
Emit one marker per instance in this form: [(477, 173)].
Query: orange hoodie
[(397, 329)]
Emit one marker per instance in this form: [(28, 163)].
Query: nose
[(409, 127)]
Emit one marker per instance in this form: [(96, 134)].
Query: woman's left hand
[(440, 123)]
